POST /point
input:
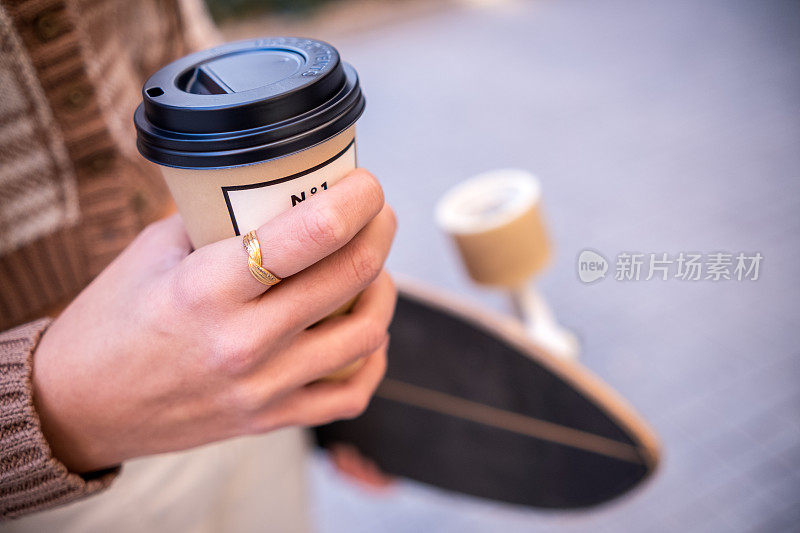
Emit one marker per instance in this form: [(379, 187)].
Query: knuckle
[(323, 227), (248, 400), (391, 285), (392, 216), (374, 334), (184, 292), (231, 357), (258, 423), (151, 230), (194, 285), (366, 264), (372, 188), (355, 406)]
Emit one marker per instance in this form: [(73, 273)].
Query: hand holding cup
[(170, 348)]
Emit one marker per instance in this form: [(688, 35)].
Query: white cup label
[(252, 205)]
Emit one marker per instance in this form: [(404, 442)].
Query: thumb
[(161, 245)]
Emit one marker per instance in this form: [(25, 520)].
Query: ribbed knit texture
[(30, 478), (75, 191)]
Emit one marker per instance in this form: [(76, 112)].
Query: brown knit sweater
[(30, 479), (73, 190)]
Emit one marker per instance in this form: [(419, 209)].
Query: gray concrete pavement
[(655, 127)]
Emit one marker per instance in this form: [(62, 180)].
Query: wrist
[(51, 396)]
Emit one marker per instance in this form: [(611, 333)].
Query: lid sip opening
[(246, 102)]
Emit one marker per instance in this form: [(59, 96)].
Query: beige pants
[(242, 485)]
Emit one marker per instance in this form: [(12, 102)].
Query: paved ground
[(655, 127)]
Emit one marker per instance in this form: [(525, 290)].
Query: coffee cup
[(247, 130)]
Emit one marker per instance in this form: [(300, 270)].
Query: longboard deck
[(470, 404)]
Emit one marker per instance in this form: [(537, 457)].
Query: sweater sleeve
[(31, 479)]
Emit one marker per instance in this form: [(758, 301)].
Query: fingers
[(322, 288), (339, 341), (321, 229), (351, 462), (323, 402), (290, 242)]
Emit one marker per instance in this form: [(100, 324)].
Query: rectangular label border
[(275, 182)]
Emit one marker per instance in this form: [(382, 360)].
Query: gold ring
[(253, 249)]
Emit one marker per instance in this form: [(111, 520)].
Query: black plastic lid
[(246, 102)]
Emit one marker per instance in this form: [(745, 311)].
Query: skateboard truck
[(540, 323), (496, 223)]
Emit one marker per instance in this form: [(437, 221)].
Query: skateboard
[(470, 404)]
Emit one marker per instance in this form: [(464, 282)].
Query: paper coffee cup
[(247, 130), (219, 203)]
